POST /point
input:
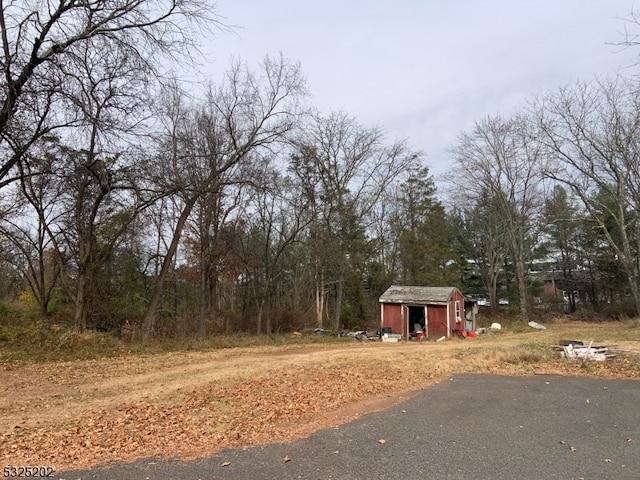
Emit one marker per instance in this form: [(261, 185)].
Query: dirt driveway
[(73, 415)]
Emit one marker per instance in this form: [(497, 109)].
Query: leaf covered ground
[(82, 413)]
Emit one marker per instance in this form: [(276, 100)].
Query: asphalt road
[(467, 427)]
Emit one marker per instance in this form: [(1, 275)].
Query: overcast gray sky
[(426, 70)]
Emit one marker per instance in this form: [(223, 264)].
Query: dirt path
[(81, 413), (78, 414), (53, 390)]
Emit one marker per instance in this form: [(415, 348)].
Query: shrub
[(619, 311)]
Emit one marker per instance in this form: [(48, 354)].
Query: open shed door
[(415, 320)]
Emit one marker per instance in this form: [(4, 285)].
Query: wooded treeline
[(131, 201)]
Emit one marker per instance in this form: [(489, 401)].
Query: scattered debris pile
[(536, 325), (575, 349), (391, 337), (495, 327)]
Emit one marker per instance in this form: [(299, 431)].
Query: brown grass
[(74, 414)]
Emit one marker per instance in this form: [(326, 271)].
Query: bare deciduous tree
[(274, 222), (483, 239), (41, 41), (91, 210), (345, 168), (204, 146), (30, 230), (592, 130), (501, 160)]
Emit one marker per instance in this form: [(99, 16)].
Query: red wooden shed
[(410, 310)]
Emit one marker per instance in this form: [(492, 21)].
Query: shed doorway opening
[(416, 322)]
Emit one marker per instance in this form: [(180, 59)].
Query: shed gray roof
[(419, 295)]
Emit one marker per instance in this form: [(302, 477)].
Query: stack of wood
[(575, 349)]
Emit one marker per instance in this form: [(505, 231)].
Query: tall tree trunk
[(80, 313), (268, 327), (319, 294), (632, 280), (521, 280), (492, 288), (259, 318), (158, 291), (82, 294), (629, 261), (594, 292), (567, 274), (205, 292), (339, 295), (319, 297)]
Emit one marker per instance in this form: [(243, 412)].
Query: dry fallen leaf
[(382, 441), (242, 412), (286, 459)]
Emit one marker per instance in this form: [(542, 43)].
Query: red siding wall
[(437, 321), (392, 317), (460, 325)]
